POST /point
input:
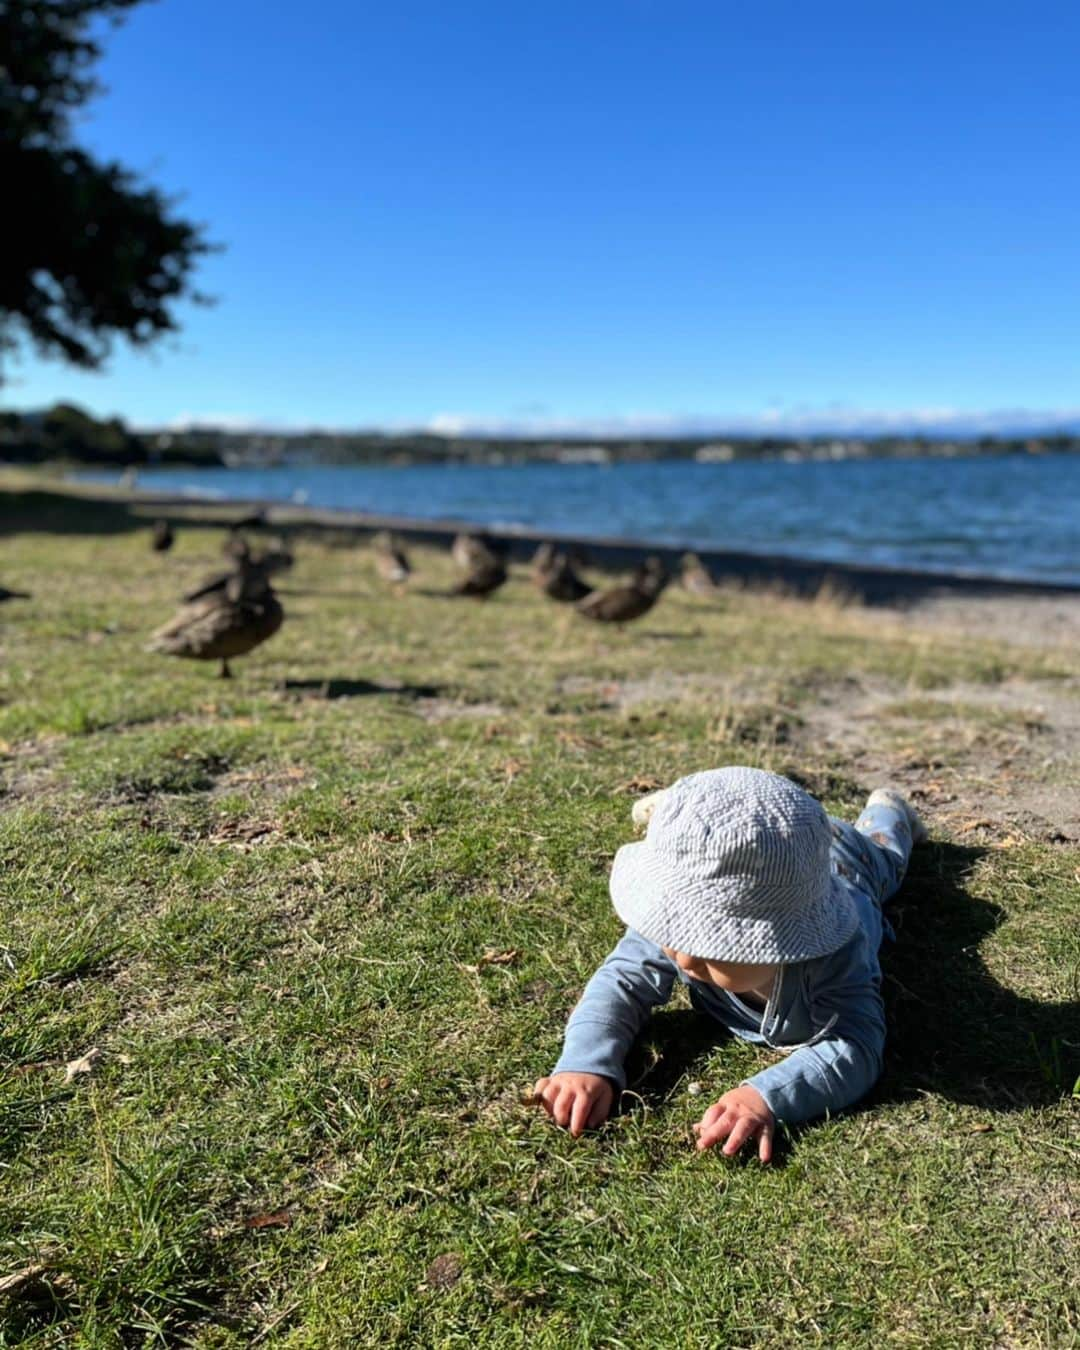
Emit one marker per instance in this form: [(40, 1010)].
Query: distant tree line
[(68, 433)]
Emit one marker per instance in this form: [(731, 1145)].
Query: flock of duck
[(236, 610)]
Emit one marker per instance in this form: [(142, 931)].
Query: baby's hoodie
[(825, 1015)]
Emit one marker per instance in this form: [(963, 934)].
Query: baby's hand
[(739, 1115), (580, 1101)]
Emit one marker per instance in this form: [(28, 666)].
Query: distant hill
[(67, 433)]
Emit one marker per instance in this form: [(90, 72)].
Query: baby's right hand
[(580, 1101)]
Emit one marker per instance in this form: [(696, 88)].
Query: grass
[(324, 924)]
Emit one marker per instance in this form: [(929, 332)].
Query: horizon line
[(926, 422)]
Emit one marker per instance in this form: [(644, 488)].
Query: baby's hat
[(735, 867)]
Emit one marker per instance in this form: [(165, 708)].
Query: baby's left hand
[(739, 1115)]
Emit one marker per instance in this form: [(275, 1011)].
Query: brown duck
[(391, 562), (621, 604), (223, 622), (236, 546), (481, 559), (471, 551), (161, 536), (481, 580), (554, 574)]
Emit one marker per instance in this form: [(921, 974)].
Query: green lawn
[(324, 924)]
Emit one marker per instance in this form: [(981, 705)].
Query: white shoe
[(642, 809), (890, 797)]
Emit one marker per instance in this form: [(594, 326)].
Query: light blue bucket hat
[(735, 867)]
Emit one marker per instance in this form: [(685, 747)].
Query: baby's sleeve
[(635, 978), (826, 1075)]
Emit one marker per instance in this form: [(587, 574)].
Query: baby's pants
[(874, 851)]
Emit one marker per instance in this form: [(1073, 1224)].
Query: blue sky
[(605, 215)]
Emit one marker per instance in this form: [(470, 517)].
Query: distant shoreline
[(872, 584)]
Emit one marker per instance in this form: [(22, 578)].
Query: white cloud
[(232, 421), (938, 421), (929, 421)]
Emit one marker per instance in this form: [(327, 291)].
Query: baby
[(770, 912)]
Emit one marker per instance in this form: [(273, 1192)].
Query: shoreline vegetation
[(67, 434), (282, 953)]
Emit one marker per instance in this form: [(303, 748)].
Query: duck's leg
[(224, 673)]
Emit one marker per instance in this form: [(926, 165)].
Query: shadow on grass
[(953, 1030), (53, 513), (345, 688)]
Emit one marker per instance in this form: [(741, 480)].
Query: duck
[(695, 576), (554, 574), (391, 562), (477, 550), (161, 536), (622, 604), (482, 579), (225, 622), (481, 558), (217, 582), (236, 546)]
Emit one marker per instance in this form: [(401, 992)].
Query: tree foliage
[(89, 252)]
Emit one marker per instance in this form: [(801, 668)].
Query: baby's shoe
[(642, 809), (890, 797)]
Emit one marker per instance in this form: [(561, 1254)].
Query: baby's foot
[(642, 809), (890, 797)]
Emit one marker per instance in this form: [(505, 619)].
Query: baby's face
[(734, 976)]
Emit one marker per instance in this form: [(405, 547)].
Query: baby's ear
[(642, 809)]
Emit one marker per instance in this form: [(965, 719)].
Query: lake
[(1005, 516)]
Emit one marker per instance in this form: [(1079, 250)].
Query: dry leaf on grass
[(494, 958), (980, 1129), (444, 1272), (244, 835), (642, 782), (577, 740), (278, 1218), (83, 1065)]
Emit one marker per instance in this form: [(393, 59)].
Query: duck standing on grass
[(391, 562), (622, 604), (236, 546), (481, 559), (554, 574), (161, 536), (223, 620), (477, 550)]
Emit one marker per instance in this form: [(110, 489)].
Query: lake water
[(1013, 515)]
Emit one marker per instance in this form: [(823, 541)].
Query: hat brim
[(703, 918)]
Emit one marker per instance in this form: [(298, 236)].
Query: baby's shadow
[(675, 1043), (952, 1028)]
